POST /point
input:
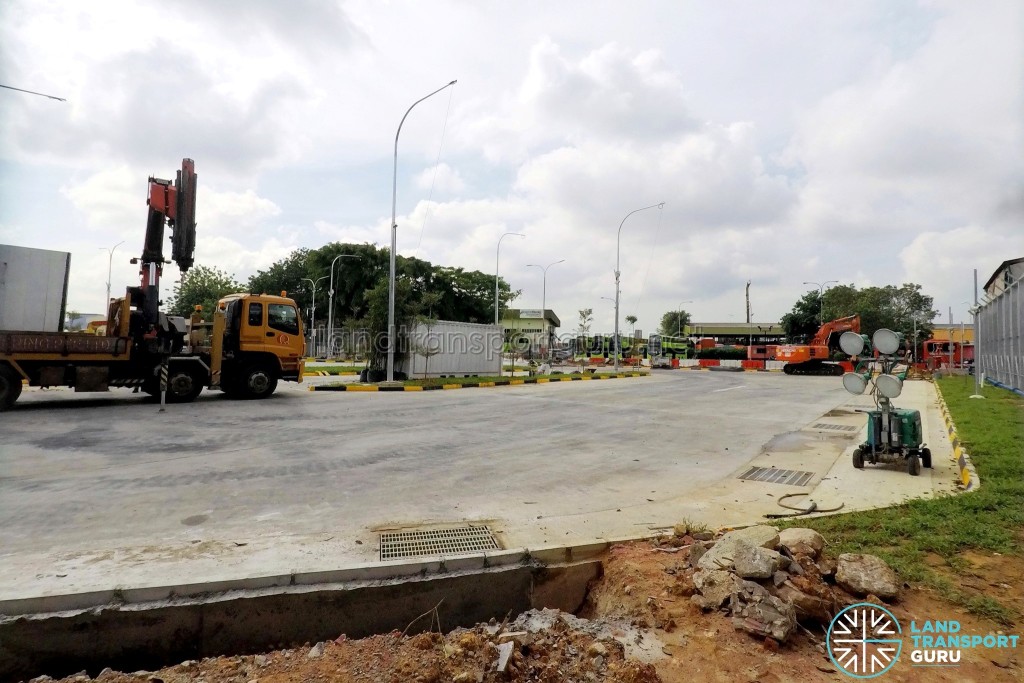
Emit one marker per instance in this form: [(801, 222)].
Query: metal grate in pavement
[(834, 427), (772, 475), (396, 545)]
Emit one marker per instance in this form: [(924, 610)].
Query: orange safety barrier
[(752, 364), (709, 362)]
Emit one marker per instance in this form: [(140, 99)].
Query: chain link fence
[(1001, 332)]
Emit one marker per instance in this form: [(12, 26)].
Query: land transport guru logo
[(865, 641)]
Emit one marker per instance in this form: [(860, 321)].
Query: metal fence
[(1001, 337)]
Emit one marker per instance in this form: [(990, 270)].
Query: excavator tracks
[(814, 368)]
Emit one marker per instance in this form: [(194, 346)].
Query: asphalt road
[(85, 481)]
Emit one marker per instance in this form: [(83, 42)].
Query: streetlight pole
[(110, 265), (544, 300), (312, 314), (679, 317), (394, 241), (497, 259), (821, 297), (618, 242), (330, 303)]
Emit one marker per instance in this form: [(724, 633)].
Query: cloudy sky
[(870, 142)]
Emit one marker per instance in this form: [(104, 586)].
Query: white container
[(446, 348), (33, 288)]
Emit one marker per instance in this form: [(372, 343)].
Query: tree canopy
[(895, 308), (204, 286), (461, 295), (673, 322)]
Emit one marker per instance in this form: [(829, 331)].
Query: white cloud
[(441, 178), (788, 144)]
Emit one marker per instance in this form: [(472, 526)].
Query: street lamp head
[(454, 82), (661, 206)]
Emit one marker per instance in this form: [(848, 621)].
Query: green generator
[(894, 434)]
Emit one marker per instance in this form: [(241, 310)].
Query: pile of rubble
[(768, 580)]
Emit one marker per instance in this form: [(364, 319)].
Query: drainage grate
[(396, 545), (838, 428), (772, 475)]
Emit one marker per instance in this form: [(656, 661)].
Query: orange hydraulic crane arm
[(849, 323)]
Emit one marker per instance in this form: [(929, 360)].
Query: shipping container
[(33, 288), (444, 348)]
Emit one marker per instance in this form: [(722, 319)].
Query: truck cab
[(255, 340)]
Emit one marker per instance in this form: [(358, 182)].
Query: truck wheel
[(10, 387), (914, 465), (183, 386), (256, 381), (858, 458), (926, 457)]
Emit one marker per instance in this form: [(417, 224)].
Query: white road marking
[(742, 386)]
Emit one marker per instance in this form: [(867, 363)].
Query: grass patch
[(989, 519)]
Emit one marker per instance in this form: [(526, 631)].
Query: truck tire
[(10, 387), (254, 381), (183, 385)]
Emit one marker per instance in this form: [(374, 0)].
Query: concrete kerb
[(154, 633), (512, 381), (968, 475)]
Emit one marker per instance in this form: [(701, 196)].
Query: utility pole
[(750, 333), (977, 341), (950, 336)]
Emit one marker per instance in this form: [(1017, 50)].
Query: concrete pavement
[(108, 493)]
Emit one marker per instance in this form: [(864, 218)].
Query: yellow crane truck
[(254, 340)]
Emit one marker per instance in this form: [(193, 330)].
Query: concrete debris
[(806, 606), (760, 535), (696, 552), (316, 651), (721, 554), (637, 643), (504, 652), (261, 661), (715, 587), (753, 562), (863, 574), (801, 541), (756, 611)]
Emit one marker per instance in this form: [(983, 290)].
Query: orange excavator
[(813, 358)]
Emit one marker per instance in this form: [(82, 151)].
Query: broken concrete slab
[(797, 539), (865, 574)]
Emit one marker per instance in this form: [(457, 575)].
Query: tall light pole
[(544, 299), (312, 313), (618, 242), (394, 241), (330, 303), (110, 264), (679, 317), (821, 297), (497, 259)]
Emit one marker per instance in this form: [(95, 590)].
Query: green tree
[(465, 296), (631, 321), (204, 286), (803, 321), (895, 308), (891, 307), (72, 321), (673, 322)]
